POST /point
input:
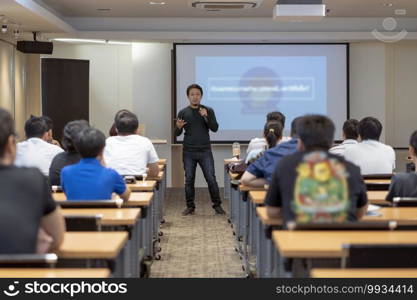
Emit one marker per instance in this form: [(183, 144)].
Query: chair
[(28, 260), (379, 256), (83, 223), (114, 203), (377, 176), (377, 225), (404, 201), (377, 186)]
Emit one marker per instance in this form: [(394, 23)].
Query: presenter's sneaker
[(219, 210), (188, 211)]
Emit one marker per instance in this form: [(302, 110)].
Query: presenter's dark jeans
[(206, 162)]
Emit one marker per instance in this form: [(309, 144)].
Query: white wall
[(110, 78)]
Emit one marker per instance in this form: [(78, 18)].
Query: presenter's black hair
[(194, 86)]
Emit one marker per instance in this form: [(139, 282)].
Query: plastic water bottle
[(236, 150)]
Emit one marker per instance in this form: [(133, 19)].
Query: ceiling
[(182, 8)]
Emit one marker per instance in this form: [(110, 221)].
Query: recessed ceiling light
[(387, 4), (104, 9), (156, 3)]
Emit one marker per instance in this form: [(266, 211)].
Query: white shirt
[(130, 154), (260, 144), (372, 157), (340, 149), (37, 153)]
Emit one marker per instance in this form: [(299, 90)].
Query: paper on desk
[(372, 207)]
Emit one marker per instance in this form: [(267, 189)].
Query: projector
[(299, 10)]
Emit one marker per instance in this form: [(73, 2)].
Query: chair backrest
[(379, 256), (404, 201), (378, 176), (377, 225), (115, 203), (28, 260), (83, 223)]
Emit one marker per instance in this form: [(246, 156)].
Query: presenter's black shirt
[(196, 136), (24, 199)]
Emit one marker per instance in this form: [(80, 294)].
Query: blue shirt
[(89, 180), (264, 166)]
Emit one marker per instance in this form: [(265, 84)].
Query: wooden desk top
[(378, 198), (99, 245), (110, 216), (161, 167), (158, 141), (245, 188), (229, 160), (142, 186), (53, 273), (329, 243), (377, 181), (261, 212), (162, 161), (59, 196), (257, 197), (139, 199), (364, 273), (233, 176), (402, 215), (157, 178)]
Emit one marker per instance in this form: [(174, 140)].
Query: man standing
[(197, 120)]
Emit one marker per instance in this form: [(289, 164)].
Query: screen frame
[(245, 142)]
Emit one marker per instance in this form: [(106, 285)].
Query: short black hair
[(49, 123), (6, 129), (370, 128), (350, 129), (294, 132), (413, 141), (90, 142), (35, 127), (121, 113), (71, 133), (127, 123), (194, 86), (273, 133), (276, 116), (316, 132)]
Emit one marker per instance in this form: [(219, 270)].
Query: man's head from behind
[(276, 116), (127, 124), (294, 123), (316, 132), (71, 133), (370, 129), (90, 143), (36, 127), (350, 129), (7, 138)]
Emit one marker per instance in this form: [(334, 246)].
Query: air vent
[(217, 5)]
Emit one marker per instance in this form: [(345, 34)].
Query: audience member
[(313, 185), (28, 214), (350, 137), (272, 135), (90, 179), (372, 156), (36, 151), (50, 127)]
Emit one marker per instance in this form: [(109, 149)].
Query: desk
[(53, 273), (95, 249), (378, 181), (59, 196), (142, 186), (402, 215), (364, 273), (378, 184), (257, 197), (158, 141), (378, 198), (110, 216), (227, 178), (162, 161)]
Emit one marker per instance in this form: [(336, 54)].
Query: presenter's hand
[(180, 123), (203, 112)]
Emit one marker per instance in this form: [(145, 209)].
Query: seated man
[(50, 127), (350, 137), (313, 185), (90, 179), (405, 184), (370, 155), (260, 171), (260, 144), (129, 153), (26, 205), (36, 151)]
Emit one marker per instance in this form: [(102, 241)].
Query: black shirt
[(403, 185), (60, 161), (316, 187), (24, 200), (196, 136)]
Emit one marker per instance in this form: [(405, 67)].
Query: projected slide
[(242, 83), (253, 86)]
